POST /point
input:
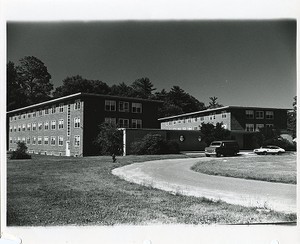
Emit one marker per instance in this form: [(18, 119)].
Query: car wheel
[(218, 155), (265, 153)]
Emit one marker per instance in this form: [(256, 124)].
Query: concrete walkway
[(175, 176)]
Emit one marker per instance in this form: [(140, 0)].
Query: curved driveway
[(175, 175)]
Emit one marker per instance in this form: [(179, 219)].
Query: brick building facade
[(241, 121), (68, 126)]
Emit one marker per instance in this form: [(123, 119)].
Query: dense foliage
[(292, 117), (214, 132), (109, 140), (152, 144), (21, 152)]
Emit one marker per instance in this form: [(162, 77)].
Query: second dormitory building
[(241, 121), (68, 125)]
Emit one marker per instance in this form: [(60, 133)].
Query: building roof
[(79, 95), (217, 109)]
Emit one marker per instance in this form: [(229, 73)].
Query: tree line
[(29, 82)]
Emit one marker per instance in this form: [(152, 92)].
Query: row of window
[(195, 119), (124, 123), (40, 125), (45, 111), (46, 140), (259, 114), (111, 105), (251, 128)]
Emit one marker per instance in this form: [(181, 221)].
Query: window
[(259, 114), (76, 141), (15, 128), (28, 115), (23, 139), (28, 126), (136, 123), (77, 105), (269, 115), (76, 122), (10, 140), (189, 120), (46, 125), (40, 125), (259, 126), (195, 128), (39, 140), (23, 127), (136, 107), (33, 126), (202, 118), (269, 125), (34, 114), (224, 115), (53, 109), (46, 140), (28, 140), (33, 140), (10, 129), (249, 114), (19, 139), (61, 108), (123, 123), (60, 124), (123, 106), (110, 105), (52, 142), (19, 127), (46, 111), (249, 127), (53, 124), (110, 121), (60, 141), (40, 112), (24, 116), (10, 118)]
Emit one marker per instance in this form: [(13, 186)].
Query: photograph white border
[(78, 10)]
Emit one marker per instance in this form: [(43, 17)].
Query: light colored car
[(269, 150)]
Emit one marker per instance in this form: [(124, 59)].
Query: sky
[(243, 63)]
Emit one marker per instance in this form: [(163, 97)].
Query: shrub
[(283, 143), (152, 144), (21, 152)]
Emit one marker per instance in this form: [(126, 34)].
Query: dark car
[(225, 148)]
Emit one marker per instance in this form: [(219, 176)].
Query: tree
[(143, 87), (122, 90), (214, 132), (213, 103), (15, 95), (75, 84), (33, 76), (21, 152), (292, 119), (109, 140)]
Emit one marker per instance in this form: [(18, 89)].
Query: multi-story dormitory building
[(68, 125), (241, 121)]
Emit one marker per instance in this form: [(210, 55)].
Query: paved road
[(175, 175)]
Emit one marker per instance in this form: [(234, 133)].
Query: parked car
[(225, 148), (269, 150)]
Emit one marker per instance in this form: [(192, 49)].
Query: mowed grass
[(273, 168), (47, 191)]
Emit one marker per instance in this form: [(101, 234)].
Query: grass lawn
[(274, 168), (47, 190)]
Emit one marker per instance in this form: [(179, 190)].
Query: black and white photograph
[(133, 123)]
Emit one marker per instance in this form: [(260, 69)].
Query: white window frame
[(137, 108), (77, 122), (51, 140), (259, 114), (53, 109), (19, 127), (123, 106), (10, 140), (77, 104), (40, 113), (29, 127), (46, 125), (46, 111), (11, 129), (28, 140), (258, 126), (39, 140), (249, 127), (53, 125), (249, 114), (110, 105), (60, 139), (136, 123), (122, 126), (60, 124), (34, 140), (46, 140), (76, 141), (40, 125), (34, 126), (269, 114), (61, 108)]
